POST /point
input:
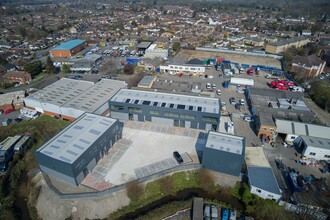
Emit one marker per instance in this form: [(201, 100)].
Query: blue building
[(73, 153), (68, 48), (166, 109), (224, 153)]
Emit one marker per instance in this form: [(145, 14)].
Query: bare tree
[(134, 190)]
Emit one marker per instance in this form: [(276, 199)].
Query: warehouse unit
[(166, 109), (69, 98), (224, 153), (12, 100), (73, 153), (313, 147), (68, 48)]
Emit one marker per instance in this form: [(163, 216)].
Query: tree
[(129, 69), (166, 185), (34, 68), (133, 23), (50, 68), (65, 68), (3, 61), (176, 46), (134, 190)]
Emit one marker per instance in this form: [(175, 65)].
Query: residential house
[(307, 67), (20, 77), (281, 46)]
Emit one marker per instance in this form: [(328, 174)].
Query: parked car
[(279, 164), (218, 92), (208, 85), (248, 119), (177, 157), (232, 101), (242, 102), (77, 77), (321, 77), (214, 86)]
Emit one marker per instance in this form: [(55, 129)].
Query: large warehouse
[(74, 152), (69, 98), (166, 109), (224, 153), (68, 48)]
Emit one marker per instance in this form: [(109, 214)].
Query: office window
[(171, 114), (152, 112), (209, 119), (117, 107), (312, 154), (163, 104), (185, 116), (132, 109), (327, 156)]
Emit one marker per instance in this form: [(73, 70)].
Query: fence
[(121, 187), (238, 52)]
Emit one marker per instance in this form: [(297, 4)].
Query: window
[(163, 104), (152, 112), (192, 68), (137, 110), (327, 156), (146, 103), (312, 154), (292, 137), (155, 104), (117, 107), (209, 119), (171, 105), (185, 116), (171, 114)]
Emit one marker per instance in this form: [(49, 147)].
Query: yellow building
[(281, 46)]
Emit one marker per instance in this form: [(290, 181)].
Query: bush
[(129, 69), (134, 190), (205, 180)]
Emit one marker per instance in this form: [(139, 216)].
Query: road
[(322, 115)]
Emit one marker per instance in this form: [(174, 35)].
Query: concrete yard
[(145, 149)]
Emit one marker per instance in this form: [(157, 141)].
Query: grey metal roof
[(146, 80), (298, 128), (317, 142), (92, 98), (225, 142), (74, 140), (144, 45), (263, 178), (61, 91), (139, 97), (78, 94)]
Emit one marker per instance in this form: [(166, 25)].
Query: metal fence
[(121, 187), (238, 52)]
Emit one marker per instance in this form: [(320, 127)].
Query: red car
[(8, 111)]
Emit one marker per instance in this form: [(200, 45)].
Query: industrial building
[(73, 153), (156, 50), (68, 48), (166, 109), (181, 65), (7, 151), (293, 130), (261, 179), (69, 98), (263, 183), (313, 147), (224, 153), (12, 100)]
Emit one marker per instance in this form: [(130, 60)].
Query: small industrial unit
[(166, 109), (73, 153)]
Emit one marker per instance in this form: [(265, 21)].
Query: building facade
[(307, 67), (68, 48), (313, 147), (155, 51), (20, 77), (281, 46), (74, 152), (166, 109)]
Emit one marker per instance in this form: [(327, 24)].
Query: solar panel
[(77, 146), (102, 123), (61, 141), (67, 136), (47, 152)]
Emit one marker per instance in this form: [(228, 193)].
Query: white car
[(218, 92), (248, 119), (208, 85), (242, 102), (214, 86), (321, 77)]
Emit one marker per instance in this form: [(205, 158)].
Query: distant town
[(164, 110)]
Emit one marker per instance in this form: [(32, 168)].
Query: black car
[(178, 157)]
